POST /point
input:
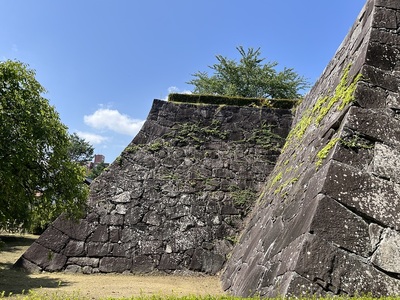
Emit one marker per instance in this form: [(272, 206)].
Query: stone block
[(384, 37), (98, 249), (150, 247), (121, 250), (134, 215), (206, 261), (387, 254), (382, 56), (75, 248), (385, 162), (115, 234), (376, 125), (385, 18), (356, 157), (368, 196), (73, 269), (75, 229), (115, 264), (170, 261), (370, 97), (53, 239), (335, 223), (84, 261), (152, 218), (143, 264), (100, 234), (28, 266), (337, 270), (124, 197), (394, 4), (381, 78)]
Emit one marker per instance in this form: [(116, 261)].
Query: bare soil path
[(93, 286)]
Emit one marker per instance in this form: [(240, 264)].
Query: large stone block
[(333, 219), (337, 270), (368, 196), (75, 229), (385, 163), (75, 248), (53, 239), (335, 223), (387, 254), (45, 258), (115, 264)]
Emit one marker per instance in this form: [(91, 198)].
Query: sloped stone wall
[(329, 221), (175, 199)]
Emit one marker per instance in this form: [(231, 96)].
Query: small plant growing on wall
[(242, 199)]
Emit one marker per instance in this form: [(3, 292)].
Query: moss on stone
[(343, 95), (323, 153)]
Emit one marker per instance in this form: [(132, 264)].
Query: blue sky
[(104, 61)]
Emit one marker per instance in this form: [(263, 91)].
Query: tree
[(249, 78), (38, 179), (80, 150), (96, 171)]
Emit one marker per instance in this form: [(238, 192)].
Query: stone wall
[(329, 219), (175, 199)]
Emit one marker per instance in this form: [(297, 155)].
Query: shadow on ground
[(18, 281)]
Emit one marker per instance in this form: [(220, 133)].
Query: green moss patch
[(343, 96)]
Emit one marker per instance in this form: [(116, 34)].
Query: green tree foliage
[(96, 171), (249, 78), (80, 150), (38, 179)]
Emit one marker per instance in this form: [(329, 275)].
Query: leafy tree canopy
[(251, 77), (80, 150), (97, 170), (38, 179)]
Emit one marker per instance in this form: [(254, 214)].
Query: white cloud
[(176, 90), (113, 120), (92, 138)]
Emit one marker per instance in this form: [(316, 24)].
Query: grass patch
[(230, 100)]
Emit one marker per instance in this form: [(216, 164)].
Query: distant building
[(98, 159)]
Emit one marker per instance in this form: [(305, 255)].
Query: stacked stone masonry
[(326, 220), (329, 220), (175, 199)]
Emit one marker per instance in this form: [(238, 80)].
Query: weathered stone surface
[(144, 264), (75, 248), (176, 198), (84, 261), (25, 264), (78, 230), (73, 269), (387, 254), (335, 223), (51, 261), (338, 271), (369, 196), (328, 221), (53, 239), (114, 264), (385, 162)]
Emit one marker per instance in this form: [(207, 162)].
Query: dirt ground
[(93, 286)]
